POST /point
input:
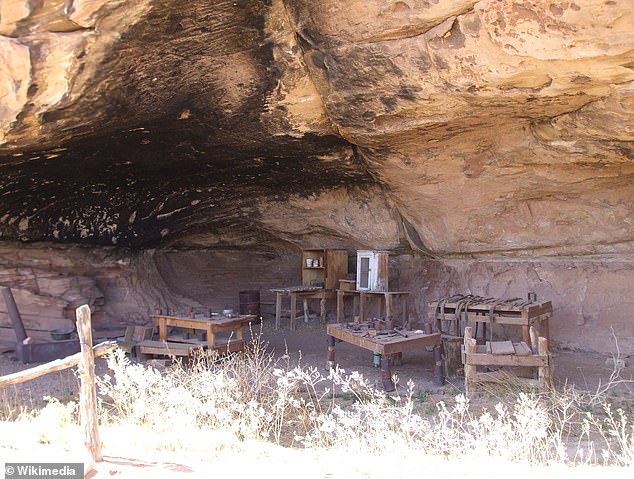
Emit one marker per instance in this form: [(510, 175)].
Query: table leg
[(544, 326), (322, 310), (405, 313), (278, 310), (330, 364), (162, 329), (240, 333), (293, 310), (340, 312), (211, 340), (362, 298), (386, 373), (305, 310), (439, 374)]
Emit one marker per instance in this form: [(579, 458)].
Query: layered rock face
[(482, 136)]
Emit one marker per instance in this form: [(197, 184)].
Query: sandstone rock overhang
[(459, 127)]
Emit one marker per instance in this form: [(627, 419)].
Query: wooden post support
[(340, 306), (322, 310), (543, 373), (469, 369), (386, 373), (278, 309), (305, 310), (439, 368), (88, 391), (14, 315), (330, 364), (293, 309)]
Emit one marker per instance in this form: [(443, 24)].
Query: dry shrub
[(251, 396)]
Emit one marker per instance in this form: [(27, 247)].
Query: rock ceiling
[(453, 127)]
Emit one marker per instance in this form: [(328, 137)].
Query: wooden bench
[(133, 336), (174, 348)]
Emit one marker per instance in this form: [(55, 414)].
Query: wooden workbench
[(211, 326), (296, 292), (459, 309), (385, 302), (385, 343)]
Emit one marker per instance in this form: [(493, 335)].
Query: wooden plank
[(336, 267), (171, 348), (502, 347), (479, 359), (54, 366), (522, 349)]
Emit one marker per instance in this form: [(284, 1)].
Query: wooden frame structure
[(511, 355), (167, 346), (385, 301)]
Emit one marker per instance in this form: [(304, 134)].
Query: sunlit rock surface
[(454, 130)]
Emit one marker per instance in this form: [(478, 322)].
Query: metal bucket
[(250, 302)]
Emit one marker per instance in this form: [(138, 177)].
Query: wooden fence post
[(469, 369), (88, 391)]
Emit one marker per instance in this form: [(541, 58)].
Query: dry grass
[(217, 403), (252, 397)]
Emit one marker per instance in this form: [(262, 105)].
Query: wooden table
[(387, 345), (294, 293), (386, 304), (210, 325)]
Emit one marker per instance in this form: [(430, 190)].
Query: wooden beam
[(57, 365)]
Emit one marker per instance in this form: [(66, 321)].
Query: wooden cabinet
[(372, 270), (324, 267)]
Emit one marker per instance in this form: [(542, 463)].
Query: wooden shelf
[(333, 267)]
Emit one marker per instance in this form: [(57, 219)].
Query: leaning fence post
[(88, 391)]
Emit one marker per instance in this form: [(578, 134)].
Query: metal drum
[(250, 302)]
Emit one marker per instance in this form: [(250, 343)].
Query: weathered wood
[(453, 360), (54, 366), (210, 326), (469, 369), (173, 348), (88, 390), (384, 345), (522, 349), (534, 309), (278, 310), (484, 359), (544, 372), (14, 315), (502, 347), (305, 303)]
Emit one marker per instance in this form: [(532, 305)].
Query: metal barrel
[(250, 302)]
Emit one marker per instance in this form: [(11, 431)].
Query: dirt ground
[(307, 346)]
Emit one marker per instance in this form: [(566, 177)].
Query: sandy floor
[(307, 346)]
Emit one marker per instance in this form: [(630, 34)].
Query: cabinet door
[(364, 271)]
